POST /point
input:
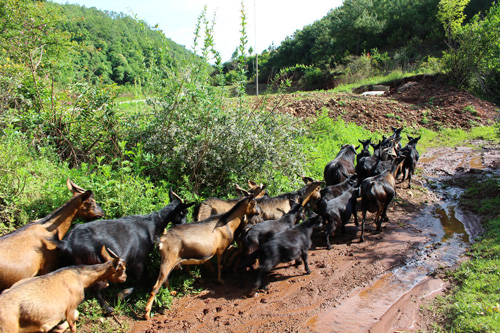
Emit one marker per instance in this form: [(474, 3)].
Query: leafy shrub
[(472, 59), (204, 141)]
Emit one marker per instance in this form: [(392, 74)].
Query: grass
[(447, 137), (474, 303), (380, 79)]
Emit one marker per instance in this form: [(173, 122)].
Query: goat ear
[(257, 191), (186, 206), (105, 254), (306, 180), (356, 148), (75, 189), (87, 194), (251, 183)]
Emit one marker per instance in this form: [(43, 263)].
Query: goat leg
[(378, 219), (363, 227), (165, 269), (219, 268), (71, 316), (125, 293), (97, 290), (306, 265)]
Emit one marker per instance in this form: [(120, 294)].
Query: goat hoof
[(308, 272), (125, 293)]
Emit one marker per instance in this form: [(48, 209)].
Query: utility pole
[(255, 49)]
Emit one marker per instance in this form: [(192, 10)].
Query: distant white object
[(373, 93), (380, 88)]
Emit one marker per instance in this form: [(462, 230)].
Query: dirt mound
[(421, 101)]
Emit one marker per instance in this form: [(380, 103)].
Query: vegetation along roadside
[(197, 128)]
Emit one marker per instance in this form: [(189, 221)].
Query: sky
[(268, 21)]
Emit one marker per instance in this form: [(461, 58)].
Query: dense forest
[(112, 45), (394, 33)]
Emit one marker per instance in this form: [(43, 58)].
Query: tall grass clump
[(33, 184)]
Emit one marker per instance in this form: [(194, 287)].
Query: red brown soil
[(422, 101), (296, 302)]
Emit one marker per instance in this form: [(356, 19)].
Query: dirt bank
[(422, 101)]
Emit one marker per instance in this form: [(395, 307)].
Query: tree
[(472, 61), (451, 15)]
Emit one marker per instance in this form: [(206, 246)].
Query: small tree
[(472, 59), (451, 15)]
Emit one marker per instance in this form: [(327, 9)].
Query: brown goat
[(31, 250), (197, 242), (40, 303), (377, 193), (272, 208), (216, 206)]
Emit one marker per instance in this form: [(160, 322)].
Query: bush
[(202, 140), (472, 60)]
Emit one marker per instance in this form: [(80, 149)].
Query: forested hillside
[(112, 45), (392, 33)]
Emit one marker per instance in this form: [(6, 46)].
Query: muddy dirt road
[(354, 287)]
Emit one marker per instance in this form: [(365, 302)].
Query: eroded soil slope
[(422, 101)]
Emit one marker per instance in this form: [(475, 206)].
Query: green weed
[(474, 304)]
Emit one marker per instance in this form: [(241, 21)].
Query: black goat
[(333, 191), (291, 244), (259, 233), (377, 193), (411, 159), (365, 152), (338, 211), (131, 238), (338, 169), (384, 153)]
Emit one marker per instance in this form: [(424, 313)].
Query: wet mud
[(374, 286)]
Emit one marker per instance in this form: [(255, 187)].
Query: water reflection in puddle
[(451, 224)]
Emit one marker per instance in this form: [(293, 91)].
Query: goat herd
[(44, 269)]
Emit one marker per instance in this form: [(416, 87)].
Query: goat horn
[(176, 196), (73, 187), (111, 253)]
